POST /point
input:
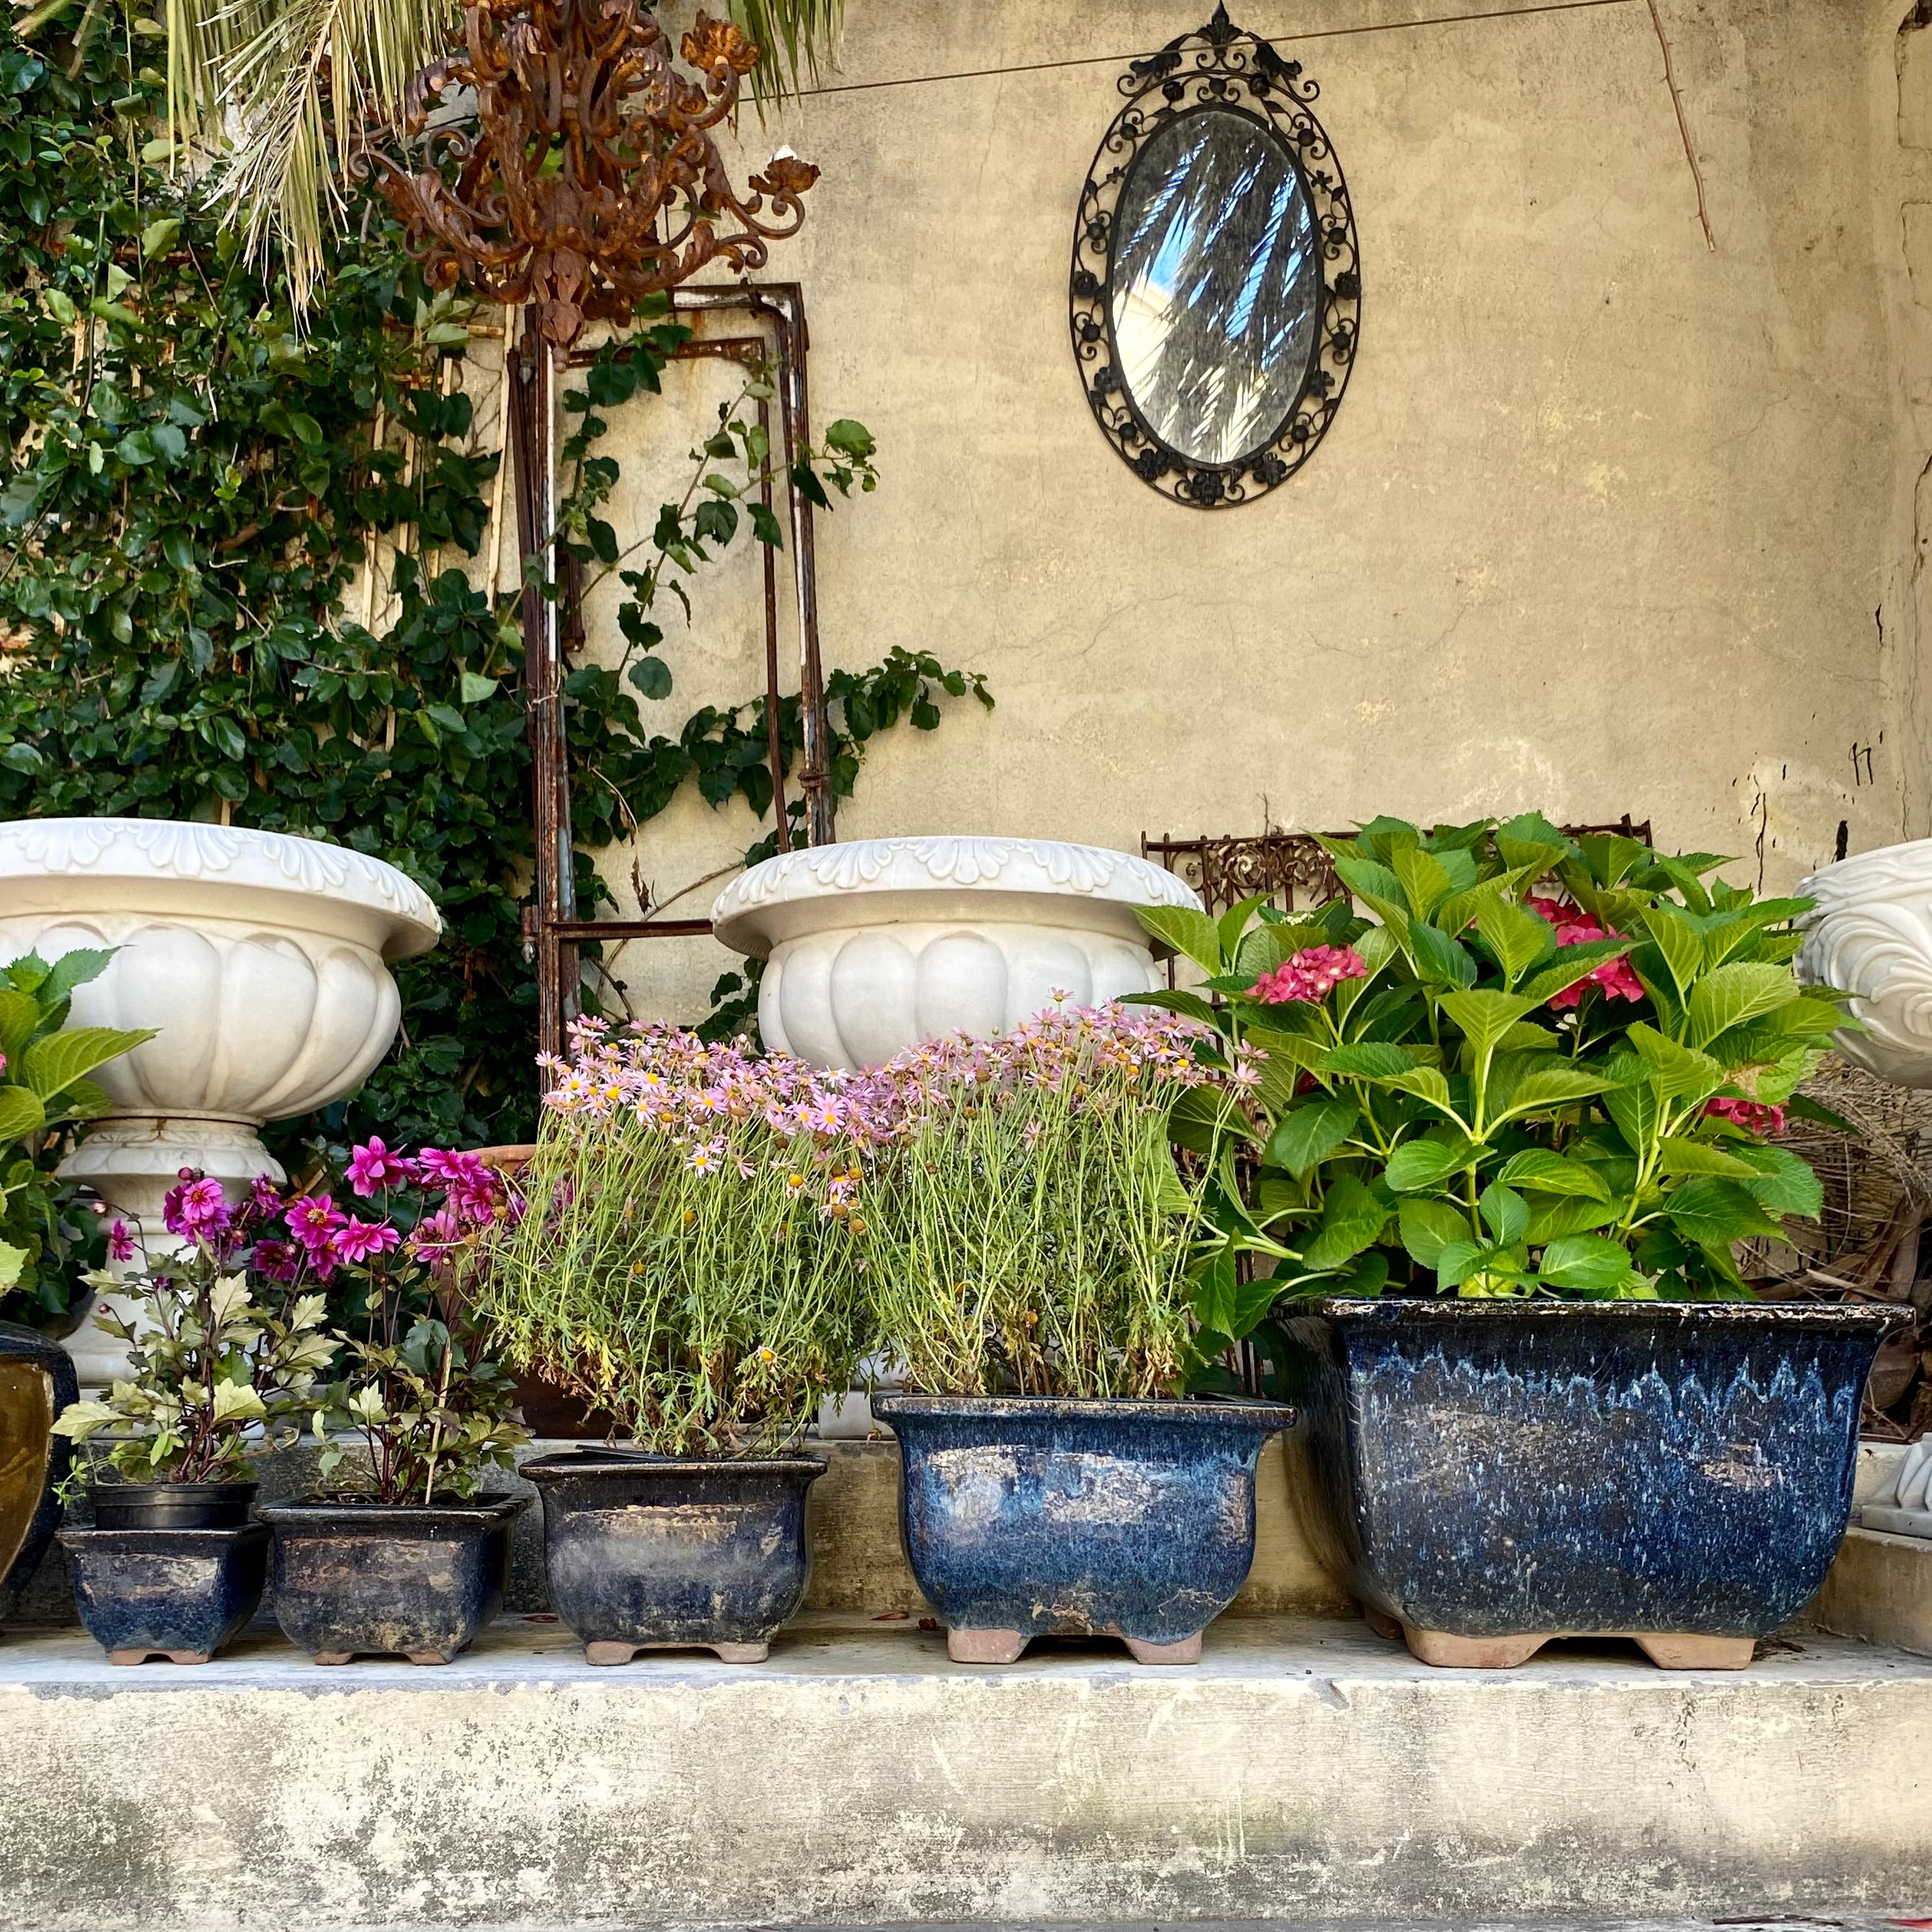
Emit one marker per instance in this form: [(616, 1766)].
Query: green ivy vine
[(191, 486)]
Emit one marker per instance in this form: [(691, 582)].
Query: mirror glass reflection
[(1215, 285)]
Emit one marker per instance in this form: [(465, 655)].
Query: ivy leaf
[(473, 687), (651, 676)]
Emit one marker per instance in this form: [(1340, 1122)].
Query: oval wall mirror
[(1216, 290)]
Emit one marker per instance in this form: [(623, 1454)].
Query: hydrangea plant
[(1533, 1066)]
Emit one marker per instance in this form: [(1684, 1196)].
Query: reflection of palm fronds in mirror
[(283, 90)]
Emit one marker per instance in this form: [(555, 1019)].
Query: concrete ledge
[(1305, 1770), (1880, 1589)]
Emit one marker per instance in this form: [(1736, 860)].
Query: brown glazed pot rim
[(594, 1461), (361, 1511), (1449, 1309), (1245, 1408)]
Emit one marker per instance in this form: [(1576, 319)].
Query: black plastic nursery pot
[(172, 1505), (36, 1382), (1028, 1516), (179, 1594), (353, 1577), (1492, 1474), (649, 1552)]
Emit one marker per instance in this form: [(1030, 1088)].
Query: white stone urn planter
[(873, 945), (1871, 936), (262, 960)]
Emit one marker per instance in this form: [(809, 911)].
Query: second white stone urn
[(873, 946), (261, 962), (1871, 936)]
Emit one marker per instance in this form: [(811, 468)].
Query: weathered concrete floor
[(1305, 1770)]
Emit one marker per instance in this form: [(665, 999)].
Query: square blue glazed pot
[(644, 1551), (1028, 1516), (180, 1594), (1491, 1474)]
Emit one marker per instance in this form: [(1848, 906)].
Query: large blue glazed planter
[(1495, 1474), (36, 1382), (1028, 1516), (649, 1552)]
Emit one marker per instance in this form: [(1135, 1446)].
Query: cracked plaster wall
[(1609, 520)]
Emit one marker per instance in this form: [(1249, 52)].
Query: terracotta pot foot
[(741, 1653), (607, 1652), (985, 1646), (425, 1656), (332, 1657), (1381, 1623), (171, 1656), (1471, 1653), (1187, 1651), (1670, 1651)]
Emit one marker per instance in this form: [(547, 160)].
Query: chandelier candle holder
[(587, 178)]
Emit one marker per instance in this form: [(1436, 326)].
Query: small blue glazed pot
[(420, 1580), (182, 1594), (1026, 1517), (650, 1553), (36, 1382), (1494, 1473)]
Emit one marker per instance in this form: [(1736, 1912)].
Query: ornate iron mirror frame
[(1219, 66)]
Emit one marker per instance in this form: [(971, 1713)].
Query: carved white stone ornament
[(873, 946), (1903, 1507), (1871, 935), (261, 959)]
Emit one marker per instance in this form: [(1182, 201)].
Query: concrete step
[(1305, 1770)]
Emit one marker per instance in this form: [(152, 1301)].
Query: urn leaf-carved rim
[(1034, 868), (218, 858)]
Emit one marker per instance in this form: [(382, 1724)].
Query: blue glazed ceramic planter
[(354, 1578), (180, 1594), (648, 1552), (1024, 1517), (36, 1382), (1494, 1473)]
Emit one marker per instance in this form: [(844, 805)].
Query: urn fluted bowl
[(1870, 935), (873, 945), (262, 961)]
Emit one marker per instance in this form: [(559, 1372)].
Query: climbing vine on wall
[(191, 486)]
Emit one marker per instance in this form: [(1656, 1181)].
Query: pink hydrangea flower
[(196, 1209), (1757, 1117), (1575, 927), (313, 1220), (358, 1240), (1312, 974), (373, 1166), (120, 1243)]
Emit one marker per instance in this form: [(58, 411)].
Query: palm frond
[(797, 38)]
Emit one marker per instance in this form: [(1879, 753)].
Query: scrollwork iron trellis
[(1221, 66)]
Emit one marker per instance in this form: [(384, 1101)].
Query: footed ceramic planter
[(644, 1552), (36, 1382), (873, 946), (1024, 1517), (419, 1581), (1495, 1474), (1870, 935), (179, 1594), (261, 960)]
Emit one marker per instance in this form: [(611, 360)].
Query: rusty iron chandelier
[(585, 178)]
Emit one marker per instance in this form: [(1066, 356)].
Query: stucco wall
[(1609, 520)]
